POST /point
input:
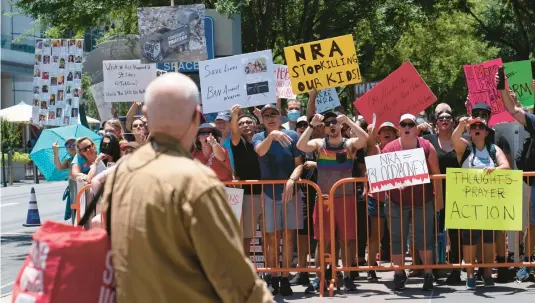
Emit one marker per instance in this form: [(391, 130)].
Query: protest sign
[(481, 201), (57, 81), (394, 170), (323, 64), (104, 108), (363, 88), (172, 33), (247, 80), (284, 86), (126, 80), (402, 92), (520, 77), (235, 198), (327, 99), (481, 82)]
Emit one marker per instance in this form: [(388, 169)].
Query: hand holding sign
[(235, 110)]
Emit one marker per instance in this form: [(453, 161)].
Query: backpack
[(525, 158), (471, 147)]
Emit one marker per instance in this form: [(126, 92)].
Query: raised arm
[(362, 137), (458, 142), (261, 146), (57, 162), (235, 130), (130, 116), (434, 169), (304, 143), (311, 105), (219, 152), (503, 163)]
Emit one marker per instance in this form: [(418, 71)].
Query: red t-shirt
[(222, 169), (420, 193)]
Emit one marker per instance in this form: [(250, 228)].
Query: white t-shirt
[(482, 159)]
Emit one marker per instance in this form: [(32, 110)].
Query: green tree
[(11, 135)]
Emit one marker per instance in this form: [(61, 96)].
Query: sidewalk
[(6, 299)]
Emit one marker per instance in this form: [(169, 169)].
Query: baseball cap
[(330, 114), (482, 106), (477, 120), (387, 124), (302, 119), (270, 106), (408, 117), (223, 116), (210, 127)]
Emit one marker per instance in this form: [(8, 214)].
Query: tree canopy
[(437, 36)]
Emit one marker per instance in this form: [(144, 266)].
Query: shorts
[(279, 214), (309, 201), (532, 206), (375, 208), (488, 236), (399, 224), (345, 221), (251, 213)]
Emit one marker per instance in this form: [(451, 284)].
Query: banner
[(327, 99), (397, 169), (126, 80), (323, 64), (172, 33), (57, 81), (476, 200), (104, 108), (284, 86), (481, 82), (520, 77), (247, 80), (235, 198), (402, 92)]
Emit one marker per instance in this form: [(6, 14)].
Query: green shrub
[(18, 158)]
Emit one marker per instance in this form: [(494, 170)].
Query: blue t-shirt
[(278, 163), (82, 162), (227, 144)]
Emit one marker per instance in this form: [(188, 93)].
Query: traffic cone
[(32, 219)]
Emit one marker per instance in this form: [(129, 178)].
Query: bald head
[(171, 103)]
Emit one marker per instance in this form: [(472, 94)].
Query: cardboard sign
[(172, 33), (394, 170), (284, 86), (481, 201), (327, 99), (520, 77), (235, 198), (104, 108), (481, 82), (247, 80), (126, 80), (402, 92), (323, 64)]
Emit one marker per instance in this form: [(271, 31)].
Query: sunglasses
[(205, 133), (330, 122), (478, 126), (407, 124), (445, 118), (72, 145), (84, 149), (272, 116), (301, 125)]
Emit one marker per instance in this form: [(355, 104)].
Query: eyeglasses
[(248, 122), (478, 126), (205, 133), (138, 125), (270, 116), (330, 122), (445, 118), (301, 125), (407, 124), (84, 149), (483, 114)]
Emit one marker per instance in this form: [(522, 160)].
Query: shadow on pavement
[(18, 239)]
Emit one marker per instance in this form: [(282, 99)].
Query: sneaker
[(301, 278), (522, 274), (313, 287), (348, 284), (416, 273), (372, 276), (399, 281), (274, 286), (285, 288), (454, 278), (478, 275), (489, 282), (339, 279), (470, 283), (428, 282)]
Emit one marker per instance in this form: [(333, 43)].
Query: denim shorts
[(375, 208)]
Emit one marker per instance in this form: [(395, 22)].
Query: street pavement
[(16, 241)]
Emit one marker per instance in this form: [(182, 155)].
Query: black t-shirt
[(309, 174), (356, 172), (445, 159), (246, 165)]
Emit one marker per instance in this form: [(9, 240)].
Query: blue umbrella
[(43, 155)]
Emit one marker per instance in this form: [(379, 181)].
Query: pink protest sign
[(481, 82), (403, 91)]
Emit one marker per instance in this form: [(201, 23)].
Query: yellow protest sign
[(476, 200), (323, 64)]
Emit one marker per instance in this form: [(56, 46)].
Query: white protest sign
[(327, 99), (284, 86), (247, 80), (104, 108), (235, 198), (394, 170), (126, 80)]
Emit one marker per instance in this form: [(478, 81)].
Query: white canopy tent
[(20, 113)]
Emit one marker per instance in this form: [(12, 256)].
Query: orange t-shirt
[(222, 169)]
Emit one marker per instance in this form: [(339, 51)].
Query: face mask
[(293, 115)]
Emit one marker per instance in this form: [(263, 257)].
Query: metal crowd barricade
[(447, 264), (83, 198), (284, 266)]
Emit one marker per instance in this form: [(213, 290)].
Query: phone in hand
[(501, 78)]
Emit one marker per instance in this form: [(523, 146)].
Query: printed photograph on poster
[(37, 59), (66, 120), (74, 112), (59, 112), (255, 66), (172, 33), (37, 73), (42, 118), (47, 47), (38, 46), (44, 105), (36, 102), (36, 89)]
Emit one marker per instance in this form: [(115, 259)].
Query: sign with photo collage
[(57, 81)]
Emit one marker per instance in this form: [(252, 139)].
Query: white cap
[(408, 117), (302, 119)]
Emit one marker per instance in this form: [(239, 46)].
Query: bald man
[(175, 237)]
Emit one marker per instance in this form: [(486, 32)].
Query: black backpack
[(525, 158), (471, 147)]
